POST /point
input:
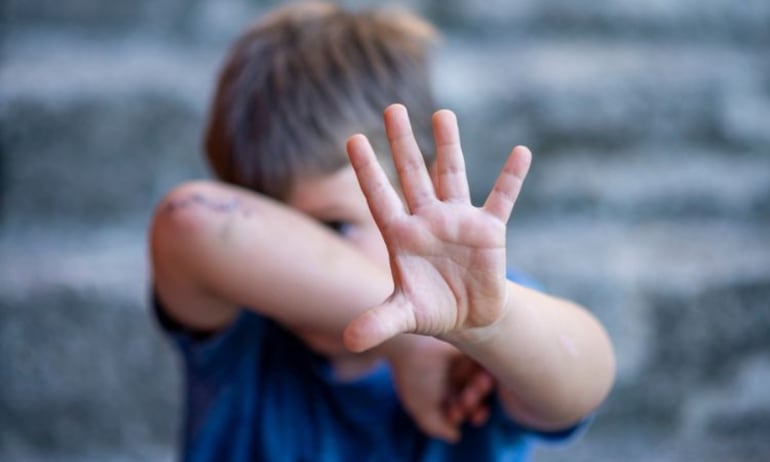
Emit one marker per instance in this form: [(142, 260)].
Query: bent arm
[(553, 360), (216, 248)]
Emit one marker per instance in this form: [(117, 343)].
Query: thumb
[(377, 325)]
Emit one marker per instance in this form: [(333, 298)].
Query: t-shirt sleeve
[(213, 352), (552, 436), (523, 279)]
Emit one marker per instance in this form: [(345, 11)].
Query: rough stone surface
[(84, 367), (648, 202)]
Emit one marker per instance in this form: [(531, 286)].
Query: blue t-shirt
[(255, 392)]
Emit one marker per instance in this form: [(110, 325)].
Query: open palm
[(447, 256)]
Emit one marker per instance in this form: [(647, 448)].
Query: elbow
[(593, 364), (187, 219), (179, 215), (593, 386), (569, 395), (201, 216)]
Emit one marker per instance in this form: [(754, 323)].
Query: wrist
[(475, 336)]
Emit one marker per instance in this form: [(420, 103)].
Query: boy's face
[(336, 201)]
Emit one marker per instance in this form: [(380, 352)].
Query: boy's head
[(299, 82)]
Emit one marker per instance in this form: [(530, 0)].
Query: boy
[(266, 282)]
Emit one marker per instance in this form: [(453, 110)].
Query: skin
[(209, 243), (554, 361), (346, 242)]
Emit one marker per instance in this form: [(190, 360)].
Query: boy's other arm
[(552, 359)]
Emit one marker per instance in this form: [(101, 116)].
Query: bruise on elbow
[(195, 208), (191, 203)]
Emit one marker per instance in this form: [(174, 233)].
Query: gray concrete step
[(673, 20), (649, 183), (103, 139), (605, 96), (137, 453), (96, 132), (658, 447), (94, 17), (85, 369)]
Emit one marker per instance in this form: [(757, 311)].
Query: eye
[(340, 227)]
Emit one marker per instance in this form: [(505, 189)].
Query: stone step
[(164, 17), (142, 453), (97, 161), (97, 132), (124, 125), (673, 20), (85, 368), (634, 447), (649, 183), (557, 94), (203, 20)]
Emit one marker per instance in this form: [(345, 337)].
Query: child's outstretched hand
[(447, 256)]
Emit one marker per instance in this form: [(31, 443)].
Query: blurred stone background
[(649, 202)]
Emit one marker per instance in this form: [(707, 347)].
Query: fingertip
[(354, 340), (444, 114), (355, 139), (358, 149), (394, 108), (397, 123), (373, 327), (353, 144), (518, 163), (522, 152)]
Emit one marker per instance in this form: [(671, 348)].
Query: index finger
[(383, 201)]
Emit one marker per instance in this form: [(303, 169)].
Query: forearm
[(217, 249), (245, 250), (553, 360)]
